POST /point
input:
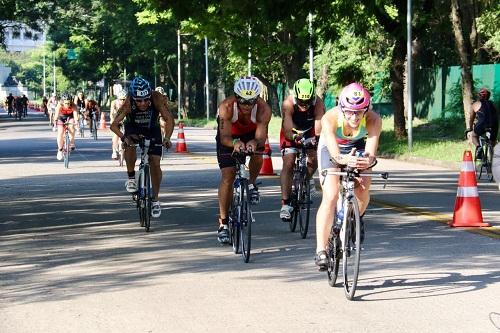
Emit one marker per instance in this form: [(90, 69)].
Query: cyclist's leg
[(71, 127), (286, 178), (156, 174), (60, 133), (312, 162), (330, 193)]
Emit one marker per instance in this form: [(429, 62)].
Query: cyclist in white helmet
[(113, 111), (242, 121)]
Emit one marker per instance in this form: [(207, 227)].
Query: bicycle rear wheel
[(488, 158), (333, 253), (94, 128), (294, 201), (66, 150), (147, 199), (304, 207), (351, 245), (245, 222), (82, 127)]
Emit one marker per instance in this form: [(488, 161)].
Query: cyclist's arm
[(225, 124), (160, 103), (76, 114), (472, 114), (319, 112), (287, 113), (120, 116), (374, 128), (56, 112), (263, 119), (328, 128)]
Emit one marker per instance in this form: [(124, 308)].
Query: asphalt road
[(73, 257)]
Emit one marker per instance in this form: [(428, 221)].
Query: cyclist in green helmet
[(302, 110)]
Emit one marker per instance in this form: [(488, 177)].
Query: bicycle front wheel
[(82, 127), (351, 245), (147, 199), (304, 207), (245, 222), (66, 150)]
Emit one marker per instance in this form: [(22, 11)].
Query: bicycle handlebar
[(353, 172)]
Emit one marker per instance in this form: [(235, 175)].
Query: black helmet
[(66, 96)]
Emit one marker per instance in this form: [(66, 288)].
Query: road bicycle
[(66, 144), (81, 121), (240, 212), (93, 124), (144, 194), (486, 161), (344, 241), (300, 197)]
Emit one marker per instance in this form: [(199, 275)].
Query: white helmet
[(247, 87)]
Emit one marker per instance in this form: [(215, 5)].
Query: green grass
[(441, 139)]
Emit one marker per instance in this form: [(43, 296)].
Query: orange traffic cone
[(102, 124), (267, 164), (467, 205), (181, 141)]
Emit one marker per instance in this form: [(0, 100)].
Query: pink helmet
[(354, 97)]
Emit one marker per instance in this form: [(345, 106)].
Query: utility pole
[(311, 60), (179, 103), (54, 71), (206, 78), (409, 77), (44, 87), (249, 50)]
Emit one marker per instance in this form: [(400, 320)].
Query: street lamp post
[(310, 48), (155, 53)]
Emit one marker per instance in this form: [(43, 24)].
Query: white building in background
[(18, 38), (21, 38)]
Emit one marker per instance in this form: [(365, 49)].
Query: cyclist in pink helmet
[(349, 137)]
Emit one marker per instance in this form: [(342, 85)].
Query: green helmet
[(303, 89)]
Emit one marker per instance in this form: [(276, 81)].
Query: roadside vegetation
[(438, 140)]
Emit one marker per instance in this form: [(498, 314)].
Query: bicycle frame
[(486, 160)]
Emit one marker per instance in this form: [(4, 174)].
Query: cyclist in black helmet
[(141, 112), (483, 115)]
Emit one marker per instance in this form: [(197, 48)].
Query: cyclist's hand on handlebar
[(310, 142), (238, 146), (167, 143), (251, 146)]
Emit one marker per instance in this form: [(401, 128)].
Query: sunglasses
[(304, 103), (350, 113), (139, 100), (243, 101)]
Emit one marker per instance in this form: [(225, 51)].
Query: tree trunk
[(464, 47), (397, 87), (323, 81)]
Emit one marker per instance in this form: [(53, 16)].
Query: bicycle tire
[(245, 222), (305, 207), (66, 150), (333, 254), (351, 245), (140, 199), (147, 199), (294, 200), (488, 157), (478, 164), (235, 228), (82, 128), (94, 128)]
